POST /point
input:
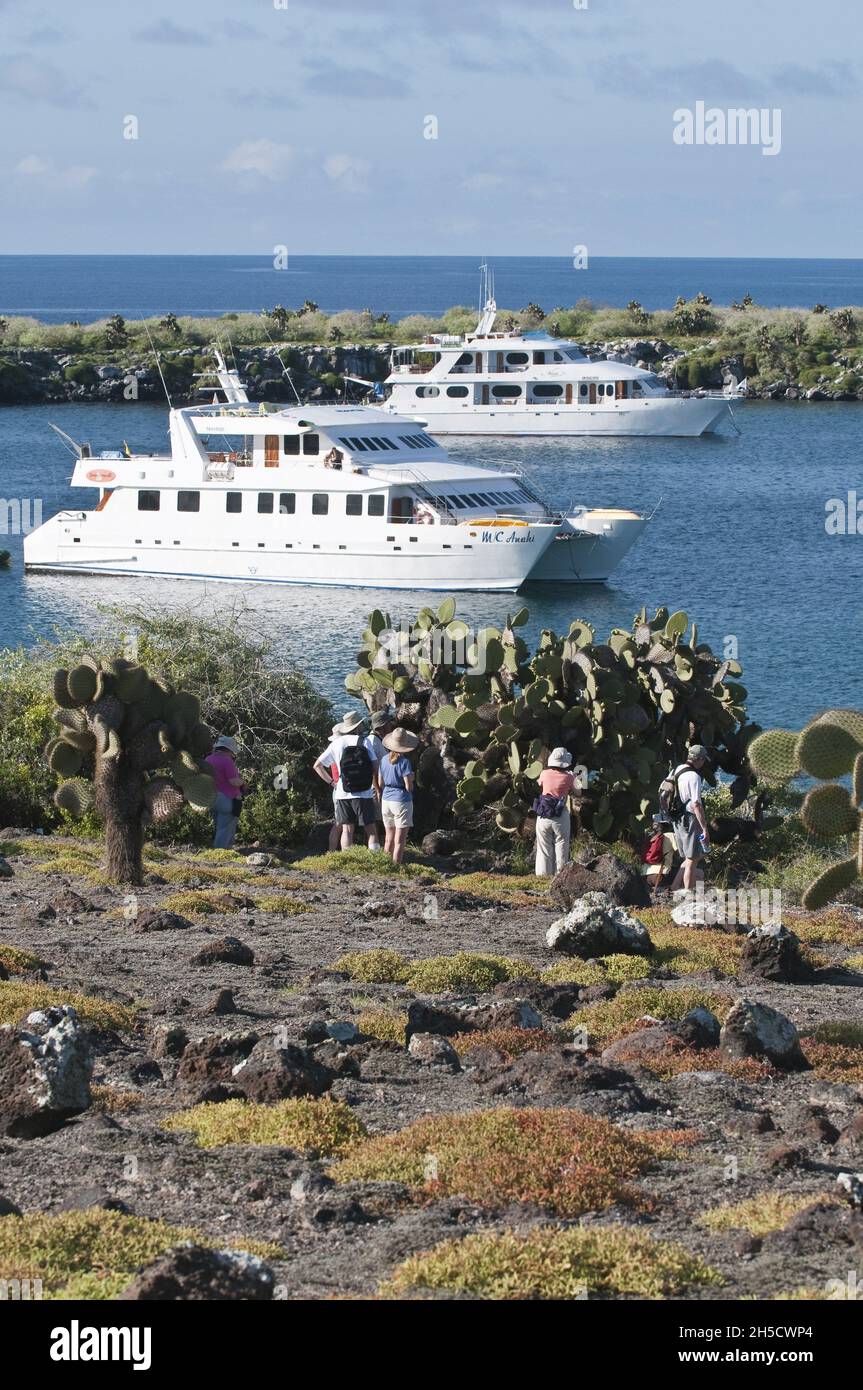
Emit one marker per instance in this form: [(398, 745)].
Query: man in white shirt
[(692, 824), (355, 796)]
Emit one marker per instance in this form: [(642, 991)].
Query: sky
[(304, 124)]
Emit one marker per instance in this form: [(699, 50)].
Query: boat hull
[(589, 548), (444, 558), (684, 417)]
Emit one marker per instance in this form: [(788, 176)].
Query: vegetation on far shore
[(815, 346)]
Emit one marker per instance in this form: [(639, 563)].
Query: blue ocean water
[(59, 288), (738, 540)]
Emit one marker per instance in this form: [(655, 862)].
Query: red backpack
[(654, 849)]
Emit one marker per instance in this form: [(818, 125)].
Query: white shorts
[(398, 815)]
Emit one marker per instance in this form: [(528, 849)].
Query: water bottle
[(705, 847)]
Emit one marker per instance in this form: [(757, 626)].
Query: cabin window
[(428, 390), (505, 391), (384, 443), (287, 503), (354, 504), (376, 504), (292, 443), (636, 388), (311, 443), (265, 502), (320, 503), (188, 501), (539, 359), (148, 501), (358, 444), (458, 390), (582, 392), (372, 444), (547, 389), (465, 360), (233, 501), (557, 357), (516, 359), (406, 439)]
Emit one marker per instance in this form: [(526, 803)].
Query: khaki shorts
[(398, 815)]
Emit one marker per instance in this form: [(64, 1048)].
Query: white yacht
[(536, 384), (327, 495)]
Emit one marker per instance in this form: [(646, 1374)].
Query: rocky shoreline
[(47, 377)]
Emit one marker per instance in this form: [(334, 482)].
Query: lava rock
[(554, 1076), (8, 1207), (275, 1071), (189, 1273), (168, 1040), (818, 1228), (259, 860), (227, 950), (756, 1030), (157, 919), (596, 927), (6, 870), (467, 1016), (772, 952), (70, 904), (46, 1064), (432, 1048), (441, 842), (603, 873), (208, 1063), (559, 1001), (222, 1003), (783, 1157), (86, 1198)]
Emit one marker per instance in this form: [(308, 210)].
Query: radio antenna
[(158, 364)]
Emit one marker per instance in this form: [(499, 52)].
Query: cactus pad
[(81, 681), (826, 750), (828, 813), (830, 884), (773, 755), (75, 796)]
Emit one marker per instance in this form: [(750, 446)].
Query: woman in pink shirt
[(552, 814), (229, 790)]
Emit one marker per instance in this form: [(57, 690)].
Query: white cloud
[(265, 158), (348, 172), (22, 77), (33, 166)]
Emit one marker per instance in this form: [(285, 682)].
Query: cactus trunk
[(120, 802)]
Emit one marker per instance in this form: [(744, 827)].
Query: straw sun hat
[(401, 741)]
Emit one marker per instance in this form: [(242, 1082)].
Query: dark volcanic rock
[(191, 1273), (227, 950), (772, 952), (278, 1071), (157, 919), (45, 1068), (557, 1000), (555, 1076), (208, 1063), (603, 873), (467, 1016), (222, 1003), (169, 1040), (817, 1229), (69, 903), (86, 1198), (7, 1207)]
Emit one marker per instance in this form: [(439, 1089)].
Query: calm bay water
[(738, 540), (59, 288)]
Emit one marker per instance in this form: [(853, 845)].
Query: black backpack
[(356, 768), (671, 802)]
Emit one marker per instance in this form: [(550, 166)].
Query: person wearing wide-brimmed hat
[(553, 825), (397, 791), (228, 801), (353, 753)]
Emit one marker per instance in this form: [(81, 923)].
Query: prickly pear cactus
[(128, 746), (489, 710), (831, 745)]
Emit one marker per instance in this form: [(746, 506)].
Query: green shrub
[(94, 1253), (318, 1128), (550, 1263)]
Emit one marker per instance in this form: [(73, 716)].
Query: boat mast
[(487, 305)]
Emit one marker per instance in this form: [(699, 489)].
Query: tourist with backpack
[(680, 800), (396, 776), (553, 827), (657, 853), (355, 795)]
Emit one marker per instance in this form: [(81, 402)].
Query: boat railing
[(419, 483)]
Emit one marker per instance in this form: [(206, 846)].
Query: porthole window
[(428, 391), (504, 391), (516, 359), (547, 389), (458, 390)]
